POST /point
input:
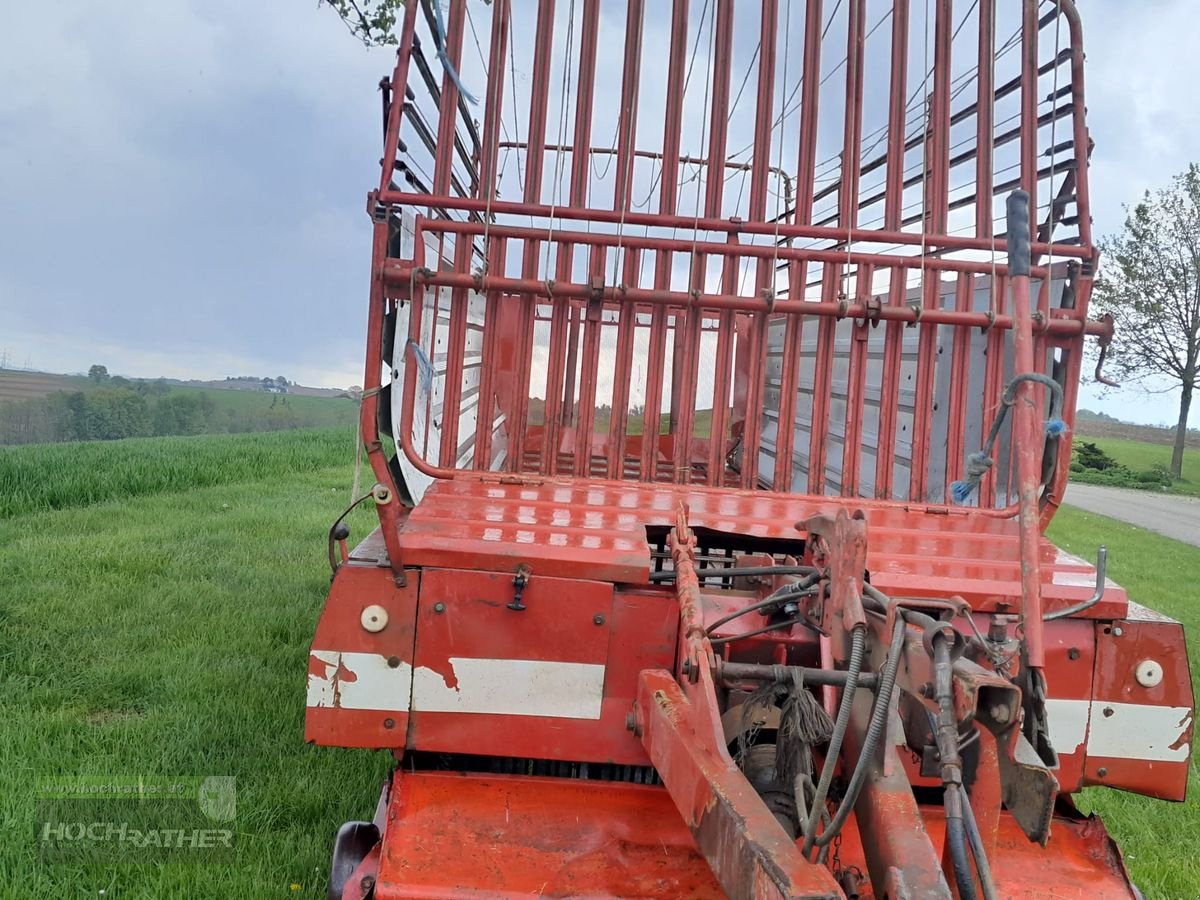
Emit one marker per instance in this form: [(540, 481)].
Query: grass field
[(307, 412), (1139, 456), (158, 622)]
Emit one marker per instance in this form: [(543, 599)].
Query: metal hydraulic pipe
[(732, 672)]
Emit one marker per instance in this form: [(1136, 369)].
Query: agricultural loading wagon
[(721, 365)]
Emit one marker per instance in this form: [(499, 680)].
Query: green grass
[(1158, 839), (158, 625), (60, 476), (1139, 456), (167, 635)]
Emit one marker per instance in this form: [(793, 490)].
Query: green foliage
[(371, 21), (1135, 464), (1090, 456), (98, 374)]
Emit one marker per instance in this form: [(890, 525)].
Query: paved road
[(1175, 517)]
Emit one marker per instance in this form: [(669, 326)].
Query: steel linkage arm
[(680, 727)]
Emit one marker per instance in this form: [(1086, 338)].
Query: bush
[(1089, 456)]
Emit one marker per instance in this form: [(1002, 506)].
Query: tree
[(1150, 284), (98, 374), (371, 21)]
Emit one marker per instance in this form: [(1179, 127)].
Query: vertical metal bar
[(893, 201), (391, 143), (937, 146), (753, 372), (1028, 437), (993, 381), (534, 165), (985, 115), (789, 377), (455, 355), (923, 402), (552, 419), (889, 380), (721, 387), (760, 165), (688, 322), (1029, 102), (668, 202), (719, 116), (484, 420), (592, 329), (856, 379), (622, 373), (1079, 130), (585, 94), (493, 108), (562, 316), (655, 364), (448, 109), (852, 123), (627, 123), (575, 322), (956, 411), (822, 384), (806, 169)]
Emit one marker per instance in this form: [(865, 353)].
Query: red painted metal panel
[(458, 836), (465, 623), (340, 630)]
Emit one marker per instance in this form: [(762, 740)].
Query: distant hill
[(38, 407)]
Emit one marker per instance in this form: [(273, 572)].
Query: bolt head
[(598, 619), (439, 607)]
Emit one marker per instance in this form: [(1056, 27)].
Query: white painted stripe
[(512, 687), (1138, 731), (1068, 721), (504, 687), (359, 681), (1130, 730)]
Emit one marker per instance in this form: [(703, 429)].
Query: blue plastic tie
[(1055, 427), (424, 366), (440, 38)]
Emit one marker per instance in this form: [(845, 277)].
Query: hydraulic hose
[(785, 593), (857, 647), (956, 840), (982, 867), (883, 700)]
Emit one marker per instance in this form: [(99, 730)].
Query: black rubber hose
[(982, 866), (857, 648), (785, 593), (883, 700), (956, 840)]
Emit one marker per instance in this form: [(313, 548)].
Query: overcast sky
[(182, 183)]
